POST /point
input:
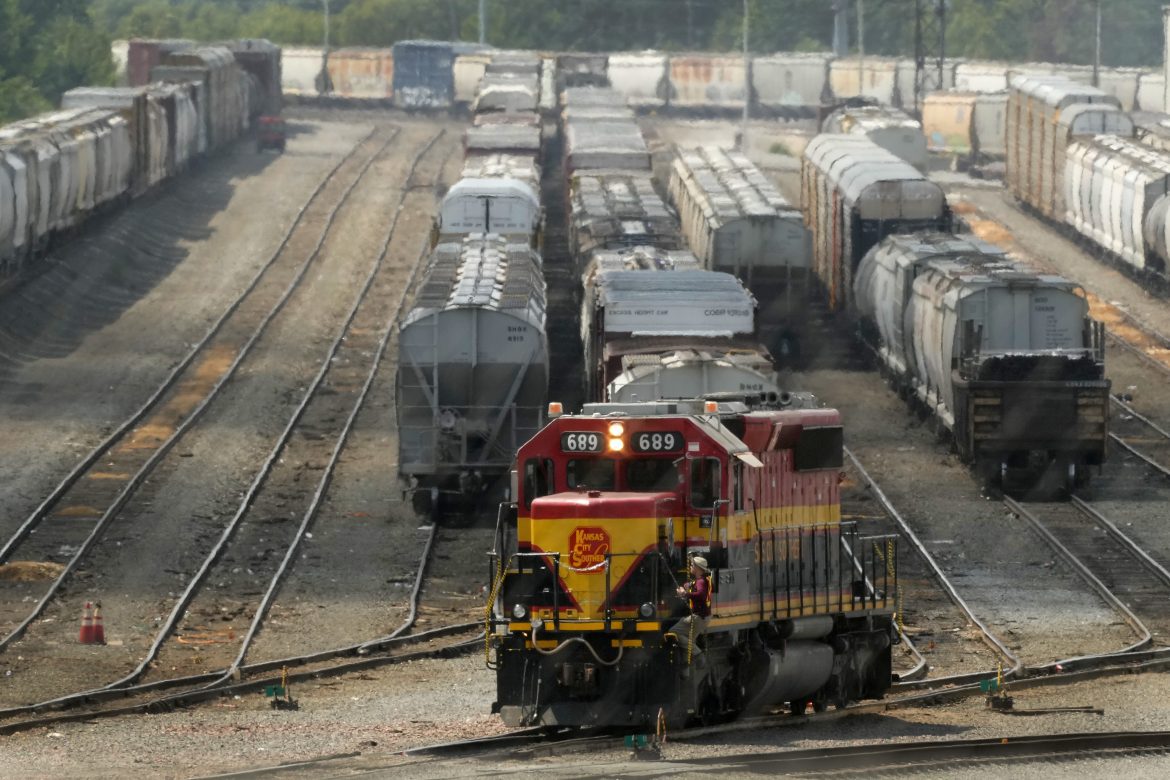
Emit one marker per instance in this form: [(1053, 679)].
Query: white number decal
[(582, 442), (656, 442)]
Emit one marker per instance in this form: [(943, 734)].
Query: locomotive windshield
[(591, 474)]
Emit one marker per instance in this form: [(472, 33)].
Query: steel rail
[(124, 685), (1161, 468), (134, 482), (318, 497), (135, 418), (993, 642), (1082, 570), (72, 711), (197, 580)]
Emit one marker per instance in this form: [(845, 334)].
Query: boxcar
[(1044, 115), (854, 194), (890, 128)]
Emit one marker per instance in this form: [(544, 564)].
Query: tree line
[(48, 46)]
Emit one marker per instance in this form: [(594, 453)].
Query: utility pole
[(840, 28), (1097, 50), (747, 82), (860, 48), (482, 22), (930, 49), (326, 83)]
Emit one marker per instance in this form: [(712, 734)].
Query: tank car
[(854, 194), (472, 370), (609, 506), (1007, 360)]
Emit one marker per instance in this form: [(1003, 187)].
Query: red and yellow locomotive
[(609, 506)]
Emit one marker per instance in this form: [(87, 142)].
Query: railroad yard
[(200, 436)]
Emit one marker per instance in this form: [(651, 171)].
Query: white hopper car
[(1114, 193), (472, 378), (1007, 360)]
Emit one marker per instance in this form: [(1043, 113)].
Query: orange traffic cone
[(85, 637), (99, 631)]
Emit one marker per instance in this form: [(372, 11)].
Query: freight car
[(854, 194), (1044, 116), (967, 127), (1006, 360), (109, 144), (655, 325), (472, 375), (737, 222), (472, 380), (890, 128), (610, 505), (617, 209), (55, 170), (601, 132), (1115, 188)]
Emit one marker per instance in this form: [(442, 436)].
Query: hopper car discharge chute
[(610, 505)]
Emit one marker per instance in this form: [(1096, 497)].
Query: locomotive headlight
[(616, 429), (616, 445), (646, 610), (519, 611)]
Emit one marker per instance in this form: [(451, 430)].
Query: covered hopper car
[(656, 325), (473, 369), (1007, 360), (737, 222)]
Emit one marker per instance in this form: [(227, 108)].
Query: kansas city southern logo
[(588, 546)]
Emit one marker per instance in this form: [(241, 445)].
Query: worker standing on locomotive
[(697, 592)]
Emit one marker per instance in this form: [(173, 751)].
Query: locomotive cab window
[(704, 481), (591, 474), (538, 479), (651, 474)]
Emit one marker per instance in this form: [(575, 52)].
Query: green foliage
[(47, 47)]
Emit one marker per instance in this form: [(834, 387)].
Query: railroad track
[(311, 443), (1140, 436), (165, 695), (338, 391), (67, 524), (1113, 564), (933, 593)]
